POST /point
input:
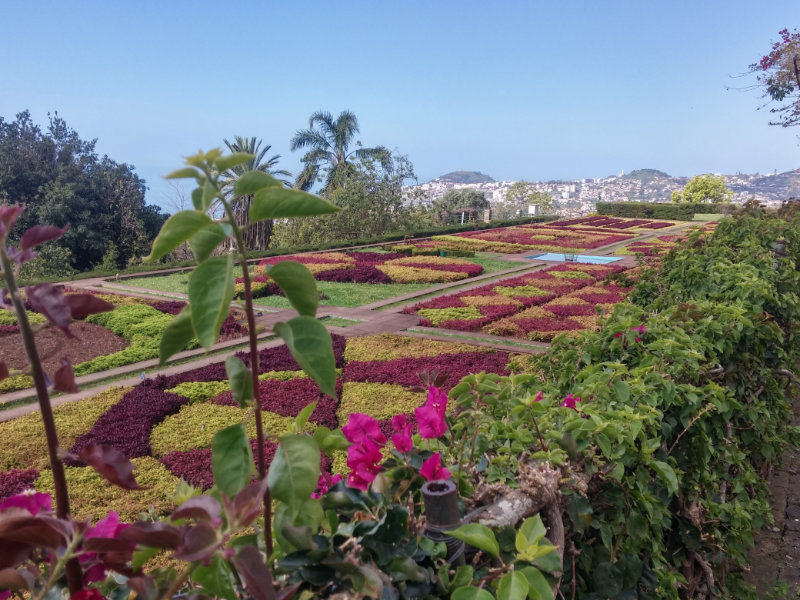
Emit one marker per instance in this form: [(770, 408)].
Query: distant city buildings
[(579, 196)]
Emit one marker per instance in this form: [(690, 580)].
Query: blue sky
[(515, 89)]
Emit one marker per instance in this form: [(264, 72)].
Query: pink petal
[(363, 427)]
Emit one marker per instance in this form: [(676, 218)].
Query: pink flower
[(364, 453), (431, 417), (324, 484), (398, 422), (33, 502), (109, 527), (87, 594), (570, 401), (362, 427), (402, 440), (433, 470), (539, 397)]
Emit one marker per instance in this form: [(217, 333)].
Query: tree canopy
[(458, 199), (778, 73), (519, 196), (327, 141), (62, 180), (704, 188)]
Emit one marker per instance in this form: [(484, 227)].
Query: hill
[(465, 177)]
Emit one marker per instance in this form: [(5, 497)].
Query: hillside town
[(578, 197)]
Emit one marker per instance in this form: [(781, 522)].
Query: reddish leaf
[(3, 370), (144, 586), (48, 300), (13, 554), (107, 545), (198, 507), (247, 505), (39, 234), (8, 215), (12, 579), (111, 464), (83, 305), (257, 577), (199, 543), (64, 378), (153, 535), (18, 525)]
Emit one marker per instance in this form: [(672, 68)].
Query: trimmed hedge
[(684, 211)]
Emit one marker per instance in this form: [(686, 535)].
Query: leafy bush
[(652, 210)]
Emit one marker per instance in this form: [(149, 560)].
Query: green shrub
[(655, 210), (197, 391), (13, 383), (8, 317), (379, 400), (439, 315)]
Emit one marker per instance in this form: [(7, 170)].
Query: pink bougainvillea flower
[(109, 527), (364, 453), (570, 401), (324, 484), (33, 502), (539, 397), (431, 417), (432, 469), (402, 439), (362, 427), (398, 423)]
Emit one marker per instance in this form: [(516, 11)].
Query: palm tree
[(257, 235), (328, 142)]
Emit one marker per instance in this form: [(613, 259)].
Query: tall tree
[(519, 196), (256, 235), (446, 209), (704, 188), (62, 180), (778, 73), (328, 143)]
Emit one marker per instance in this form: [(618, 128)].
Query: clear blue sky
[(515, 89)]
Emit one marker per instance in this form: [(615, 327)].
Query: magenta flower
[(432, 469), (324, 484), (402, 440), (362, 427), (33, 502), (364, 453), (570, 401), (539, 397), (107, 528), (431, 417)]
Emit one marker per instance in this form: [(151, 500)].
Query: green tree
[(445, 209), (371, 202), (778, 73), (704, 188), (328, 143), (519, 196), (62, 180), (256, 236)]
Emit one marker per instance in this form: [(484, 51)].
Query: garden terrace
[(166, 423), (615, 223), (535, 306)]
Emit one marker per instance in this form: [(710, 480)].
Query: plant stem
[(176, 584), (261, 460), (74, 574)]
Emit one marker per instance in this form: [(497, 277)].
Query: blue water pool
[(581, 258)]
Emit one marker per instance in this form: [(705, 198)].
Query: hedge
[(684, 211)]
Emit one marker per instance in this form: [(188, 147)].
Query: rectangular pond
[(581, 258)]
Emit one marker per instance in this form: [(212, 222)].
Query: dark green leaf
[(204, 241), (176, 335), (279, 203), (622, 391), (232, 160), (666, 474), (210, 295), (231, 459), (253, 181), (176, 230), (215, 579), (241, 380), (294, 472), (298, 284), (311, 346), (471, 593), (512, 586), (538, 588), (479, 536)]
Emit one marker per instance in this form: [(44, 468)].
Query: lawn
[(334, 293)]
